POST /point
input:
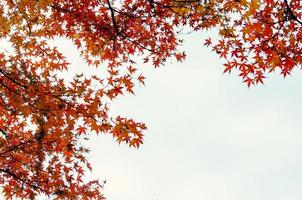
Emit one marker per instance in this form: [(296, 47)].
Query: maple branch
[(4, 133), (58, 8), (15, 147), (11, 79), (275, 35), (151, 2), (27, 182), (28, 24), (27, 100), (70, 104), (128, 14), (142, 46), (291, 13), (6, 106), (39, 137), (113, 18)]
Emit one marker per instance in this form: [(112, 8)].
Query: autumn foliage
[(44, 117)]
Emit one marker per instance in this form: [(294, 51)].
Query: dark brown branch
[(58, 8), (4, 133), (11, 79), (27, 182), (113, 18), (291, 13), (14, 147), (151, 3)]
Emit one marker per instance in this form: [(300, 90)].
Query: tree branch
[(292, 15), (113, 18)]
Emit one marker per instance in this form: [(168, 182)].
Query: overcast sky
[(209, 137)]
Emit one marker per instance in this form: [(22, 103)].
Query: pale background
[(209, 137)]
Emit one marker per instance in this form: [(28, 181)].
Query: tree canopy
[(44, 117)]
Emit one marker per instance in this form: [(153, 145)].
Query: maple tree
[(44, 117)]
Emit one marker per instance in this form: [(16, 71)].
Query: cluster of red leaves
[(265, 37), (44, 118)]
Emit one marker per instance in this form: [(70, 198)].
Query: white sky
[(209, 137)]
